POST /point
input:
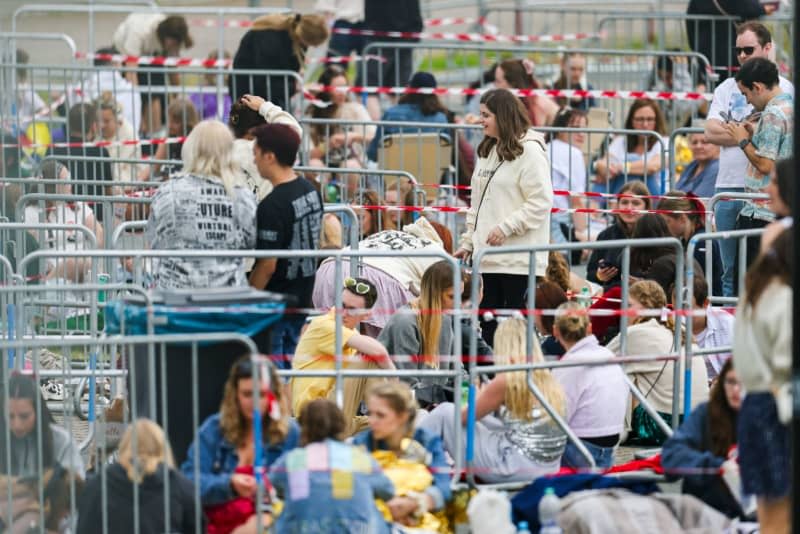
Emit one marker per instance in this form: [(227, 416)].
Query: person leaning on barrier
[(226, 449), (762, 356), (327, 484), (202, 208), (316, 350), (144, 458), (26, 423), (781, 193), (753, 40), (770, 140), (597, 396), (653, 336), (633, 156), (288, 218), (403, 451), (420, 336), (511, 201), (275, 42), (530, 441), (702, 451)]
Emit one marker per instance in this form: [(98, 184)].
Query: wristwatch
[(743, 143)]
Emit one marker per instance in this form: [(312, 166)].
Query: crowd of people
[(374, 452)]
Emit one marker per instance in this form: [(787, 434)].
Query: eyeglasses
[(359, 288), (746, 50), (732, 383)]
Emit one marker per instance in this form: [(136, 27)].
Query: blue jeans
[(725, 214), (603, 456), (283, 341)]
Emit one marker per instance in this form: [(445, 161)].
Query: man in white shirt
[(753, 40)]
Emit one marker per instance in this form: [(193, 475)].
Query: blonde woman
[(652, 336), (226, 449), (515, 439), (421, 335), (145, 462), (597, 396), (201, 208), (267, 46)]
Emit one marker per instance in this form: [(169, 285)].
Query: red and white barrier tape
[(244, 23), (158, 61), (567, 193), (474, 37), (346, 59), (553, 93), (464, 209), (44, 112)]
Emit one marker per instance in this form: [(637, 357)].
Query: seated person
[(326, 484), (412, 108), (206, 102), (685, 222), (32, 433), (141, 464), (392, 413), (225, 448), (649, 336), (549, 296), (62, 212), (700, 176), (420, 336), (705, 442), (712, 329), (483, 352), (597, 396), (316, 350), (522, 442)]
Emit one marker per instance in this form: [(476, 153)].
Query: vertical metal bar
[(626, 282), (338, 330), (676, 385)]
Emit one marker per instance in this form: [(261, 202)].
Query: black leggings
[(501, 291)]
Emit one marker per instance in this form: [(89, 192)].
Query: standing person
[(275, 42), (753, 40), (597, 396), (316, 350), (152, 34), (715, 38), (762, 356), (394, 16), (143, 463), (511, 201), (346, 15), (289, 218), (633, 156), (202, 208), (764, 145), (573, 76)]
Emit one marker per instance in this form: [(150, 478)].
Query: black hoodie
[(119, 509)]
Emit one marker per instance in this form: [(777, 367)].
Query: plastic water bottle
[(549, 508), (585, 299), (522, 527)]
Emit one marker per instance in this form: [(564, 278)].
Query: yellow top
[(315, 351)]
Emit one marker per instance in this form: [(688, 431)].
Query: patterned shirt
[(192, 212), (773, 139)]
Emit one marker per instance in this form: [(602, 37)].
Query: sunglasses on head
[(746, 50), (359, 288)]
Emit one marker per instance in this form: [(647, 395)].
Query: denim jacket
[(217, 459), (405, 113), (440, 489), (330, 487)]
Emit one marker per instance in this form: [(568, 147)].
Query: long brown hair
[(634, 188), (632, 139), (774, 264), (517, 75), (380, 220), (721, 416), (231, 420), (399, 398), (680, 201), (436, 279), (512, 123)]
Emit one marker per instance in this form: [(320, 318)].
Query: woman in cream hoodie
[(511, 201)]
